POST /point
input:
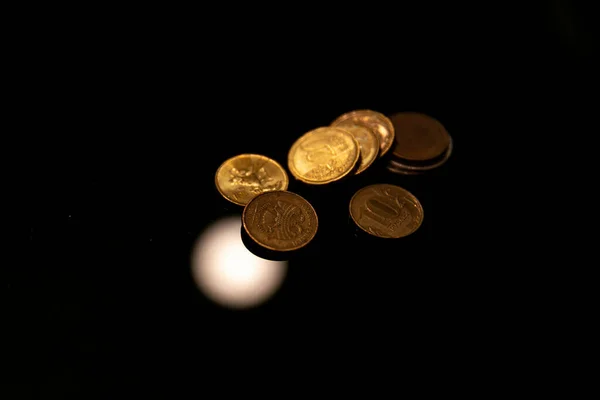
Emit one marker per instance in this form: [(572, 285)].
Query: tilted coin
[(241, 178), (368, 142), (323, 155), (280, 220), (419, 137), (386, 211), (378, 122)]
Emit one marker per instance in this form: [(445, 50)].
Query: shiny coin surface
[(386, 211), (419, 137), (323, 155), (368, 142), (241, 178), (378, 122), (280, 221)]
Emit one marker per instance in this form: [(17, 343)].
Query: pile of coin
[(280, 220), (421, 144)]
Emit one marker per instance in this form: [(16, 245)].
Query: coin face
[(245, 176), (323, 155), (280, 221), (376, 121), (419, 137), (368, 142), (386, 211)]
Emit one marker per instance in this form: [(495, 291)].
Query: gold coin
[(323, 155), (419, 137), (378, 122), (386, 211), (241, 178), (280, 220), (367, 141)]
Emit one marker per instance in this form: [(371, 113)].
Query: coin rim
[(427, 117), (386, 184), (296, 175), (382, 151), (270, 247), (424, 168), (287, 179), (378, 149)]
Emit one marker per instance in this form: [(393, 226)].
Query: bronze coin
[(419, 137), (386, 211), (323, 155), (378, 122), (280, 220), (242, 177), (368, 142)]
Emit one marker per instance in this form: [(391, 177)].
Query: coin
[(368, 142), (241, 178), (323, 155), (378, 122), (419, 137), (397, 163), (280, 220), (386, 211)]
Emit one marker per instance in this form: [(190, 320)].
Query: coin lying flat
[(386, 211), (323, 155), (378, 122), (368, 142), (420, 167), (241, 178), (419, 137), (280, 220)]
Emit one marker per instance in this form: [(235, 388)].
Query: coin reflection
[(228, 273)]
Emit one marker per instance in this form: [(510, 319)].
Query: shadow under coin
[(230, 275)]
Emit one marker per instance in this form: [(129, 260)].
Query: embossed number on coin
[(386, 211), (280, 220)]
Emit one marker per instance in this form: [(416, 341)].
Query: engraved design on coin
[(324, 154), (280, 220), (253, 179), (387, 211)]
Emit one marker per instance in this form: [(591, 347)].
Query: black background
[(131, 121)]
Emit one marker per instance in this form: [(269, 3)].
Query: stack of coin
[(421, 144)]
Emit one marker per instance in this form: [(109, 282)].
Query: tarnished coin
[(417, 168), (419, 137), (241, 178), (378, 122), (280, 221), (386, 211), (323, 155), (368, 142)]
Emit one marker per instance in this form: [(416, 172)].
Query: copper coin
[(368, 142), (397, 163), (378, 122), (280, 220), (323, 155), (241, 178), (386, 211), (419, 137)]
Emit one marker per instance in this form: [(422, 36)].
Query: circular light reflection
[(228, 273)]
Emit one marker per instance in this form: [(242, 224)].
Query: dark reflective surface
[(109, 292)]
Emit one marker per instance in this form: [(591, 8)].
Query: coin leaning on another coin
[(241, 178), (323, 155), (374, 120), (386, 211), (280, 220), (368, 142)]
